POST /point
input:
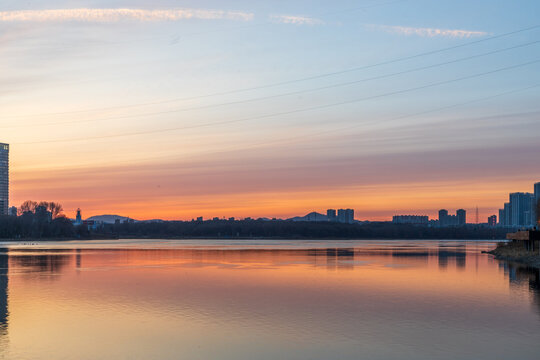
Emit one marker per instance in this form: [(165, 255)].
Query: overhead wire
[(245, 101), (286, 82), (290, 112)]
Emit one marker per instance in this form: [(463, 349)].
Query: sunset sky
[(178, 109)]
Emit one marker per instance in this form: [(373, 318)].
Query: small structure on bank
[(529, 238)]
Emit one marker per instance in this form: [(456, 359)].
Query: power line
[(348, 83), (287, 82), (287, 112), (348, 128)]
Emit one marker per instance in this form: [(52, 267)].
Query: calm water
[(265, 300)]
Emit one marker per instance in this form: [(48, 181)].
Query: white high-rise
[(4, 178)]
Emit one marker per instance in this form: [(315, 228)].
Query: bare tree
[(55, 209), (44, 204), (28, 205)]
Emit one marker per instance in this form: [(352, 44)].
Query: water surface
[(155, 299)]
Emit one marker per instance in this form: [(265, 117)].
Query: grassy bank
[(516, 252)]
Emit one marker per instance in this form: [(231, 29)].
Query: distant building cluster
[(445, 219), (345, 216), (521, 209), (459, 219), (411, 219)]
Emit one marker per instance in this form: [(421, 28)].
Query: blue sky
[(241, 91)]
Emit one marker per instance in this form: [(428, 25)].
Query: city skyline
[(527, 216), (269, 110)]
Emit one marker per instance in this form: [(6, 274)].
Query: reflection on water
[(524, 277), (3, 296), (266, 300)]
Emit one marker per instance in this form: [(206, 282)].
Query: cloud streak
[(295, 20), (428, 32), (114, 15)]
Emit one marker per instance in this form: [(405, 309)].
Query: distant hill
[(108, 219), (312, 216)]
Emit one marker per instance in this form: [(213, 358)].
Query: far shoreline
[(39, 240)]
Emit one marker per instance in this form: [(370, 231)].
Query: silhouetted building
[(492, 220), (522, 208), (507, 214), (443, 214), (331, 215), (4, 178), (461, 217), (452, 220), (12, 211), (345, 216), (78, 218), (537, 203), (410, 219)]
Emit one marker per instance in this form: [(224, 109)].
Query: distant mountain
[(312, 216), (108, 219)]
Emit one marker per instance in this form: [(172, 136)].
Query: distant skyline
[(270, 109)]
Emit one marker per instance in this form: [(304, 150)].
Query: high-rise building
[(537, 203), (507, 214), (492, 220), (521, 208), (345, 216), (501, 217), (443, 217), (461, 217), (4, 178), (331, 215)]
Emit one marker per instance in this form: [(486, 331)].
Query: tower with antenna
[(476, 215)]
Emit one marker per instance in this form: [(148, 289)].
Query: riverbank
[(514, 251)]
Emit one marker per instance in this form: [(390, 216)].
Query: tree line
[(38, 220), (294, 230)]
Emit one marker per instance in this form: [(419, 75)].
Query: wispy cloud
[(428, 32), (296, 20), (113, 15)]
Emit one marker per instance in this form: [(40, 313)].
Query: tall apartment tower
[(521, 205), (331, 215), (537, 203), (4, 178), (461, 217), (345, 216), (501, 217), (443, 217)]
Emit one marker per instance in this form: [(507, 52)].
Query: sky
[(179, 109)]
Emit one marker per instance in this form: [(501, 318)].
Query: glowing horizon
[(270, 110)]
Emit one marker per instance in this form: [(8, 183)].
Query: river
[(265, 299)]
